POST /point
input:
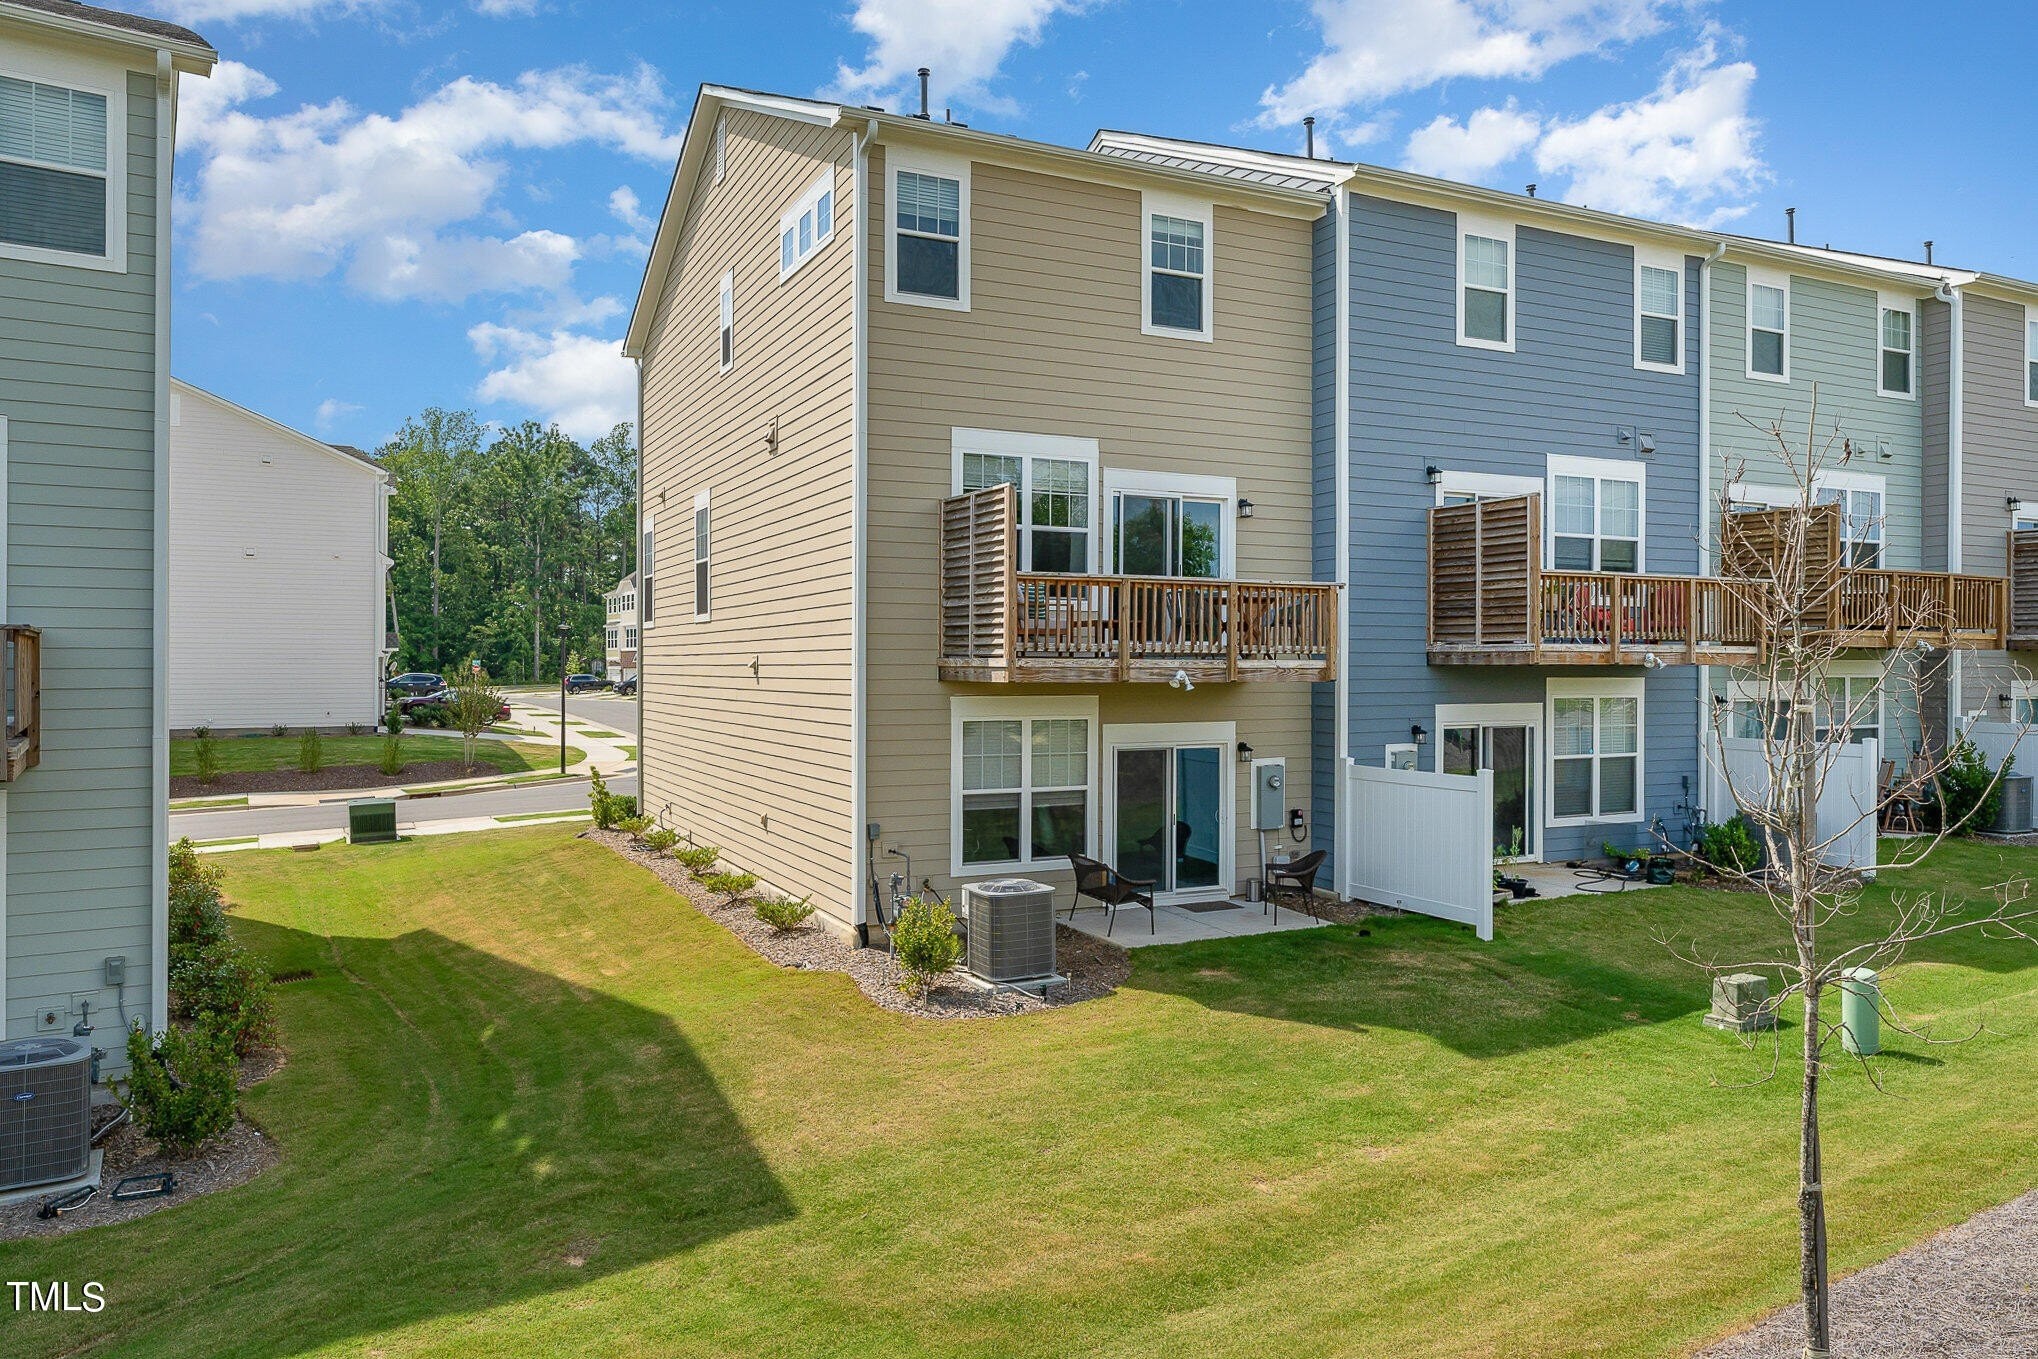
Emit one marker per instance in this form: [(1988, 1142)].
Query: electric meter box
[(1270, 794)]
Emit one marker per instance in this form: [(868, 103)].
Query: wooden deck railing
[(999, 624), (23, 681), (1492, 602)]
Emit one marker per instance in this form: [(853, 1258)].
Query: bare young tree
[(1802, 588), (476, 702)]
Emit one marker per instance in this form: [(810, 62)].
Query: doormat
[(1205, 907)]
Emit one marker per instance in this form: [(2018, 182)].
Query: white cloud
[(1375, 49), (331, 411), (629, 210), (1474, 148), (506, 9), (227, 11), (1685, 151), (962, 41), (326, 188), (579, 382)]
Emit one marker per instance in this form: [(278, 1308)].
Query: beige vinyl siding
[(1999, 461), (1052, 345), (756, 761), (277, 605)]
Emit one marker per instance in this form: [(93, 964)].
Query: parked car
[(443, 698), (585, 684), (626, 687), (417, 682)]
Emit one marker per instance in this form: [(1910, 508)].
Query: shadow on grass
[(458, 1132)]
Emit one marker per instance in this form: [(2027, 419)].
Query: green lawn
[(536, 1106), (242, 753)]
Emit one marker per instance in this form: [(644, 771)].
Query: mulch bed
[(332, 779), (1970, 1292), (1093, 967), (233, 1158)]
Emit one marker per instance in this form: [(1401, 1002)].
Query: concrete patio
[(1185, 924), (1562, 880)]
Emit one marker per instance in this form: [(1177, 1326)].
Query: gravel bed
[(235, 1157), (1093, 967), (334, 778), (1968, 1293)]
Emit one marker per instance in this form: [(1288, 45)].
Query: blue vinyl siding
[(1323, 764), (1419, 398)]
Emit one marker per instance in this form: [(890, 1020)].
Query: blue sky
[(390, 204)]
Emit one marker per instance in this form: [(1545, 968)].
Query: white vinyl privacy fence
[(1419, 842), (1847, 800)]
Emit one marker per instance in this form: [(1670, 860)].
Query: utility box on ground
[(1740, 1003), (371, 821)]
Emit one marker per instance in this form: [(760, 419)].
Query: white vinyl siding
[(1768, 327), (927, 240), (1176, 289), (1659, 312), (1486, 284), (1897, 349), (1596, 755)]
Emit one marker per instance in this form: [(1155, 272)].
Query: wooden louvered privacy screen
[(23, 650), (1756, 544), (1483, 561), (2024, 587), (979, 552)]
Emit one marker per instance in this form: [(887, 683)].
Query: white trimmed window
[(807, 225), (2030, 357), (1021, 780), (1853, 701), (1486, 266), (615, 636), (1171, 524), (2024, 702), (1595, 750), (927, 241), (726, 309), (1595, 514), (629, 636), (1768, 326), (702, 550), (1057, 482), (1897, 348), (1177, 295), (2023, 515), (1469, 488), (647, 568), (59, 200), (1659, 312), (1861, 497)]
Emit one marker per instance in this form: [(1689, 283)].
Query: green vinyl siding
[(77, 386)]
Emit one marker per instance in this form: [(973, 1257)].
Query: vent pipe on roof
[(1928, 252), (925, 114), (1309, 136), (1531, 191), (1790, 225)]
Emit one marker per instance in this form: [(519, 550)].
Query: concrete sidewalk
[(405, 829)]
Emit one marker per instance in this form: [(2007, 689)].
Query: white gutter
[(1703, 733), (1342, 451), (637, 550), (859, 532), (159, 738)]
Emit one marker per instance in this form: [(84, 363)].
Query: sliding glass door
[(1169, 815)]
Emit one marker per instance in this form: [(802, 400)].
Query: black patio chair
[(1297, 876), (1106, 885)]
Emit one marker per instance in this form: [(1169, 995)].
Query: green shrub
[(183, 1085), (311, 752), (625, 804), (279, 731), (391, 762), (659, 841), (925, 943), (431, 715), (730, 886), (197, 908), (225, 989), (392, 719), (356, 729), (1970, 794), (1729, 846), (783, 914), (633, 826), (208, 759), (699, 859)]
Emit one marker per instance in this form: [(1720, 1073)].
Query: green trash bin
[(1860, 1019), (371, 821)]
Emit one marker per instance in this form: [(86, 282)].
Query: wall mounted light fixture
[(1245, 508), (1434, 473), (1418, 735), (1245, 753)]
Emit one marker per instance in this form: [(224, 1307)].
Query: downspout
[(1956, 478), (643, 637), (1703, 718), (1342, 452), (159, 735), (859, 540)]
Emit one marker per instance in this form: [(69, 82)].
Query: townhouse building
[(619, 642), (88, 104), (977, 506)]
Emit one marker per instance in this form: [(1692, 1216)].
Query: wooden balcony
[(1493, 603), (23, 681), (1001, 625)]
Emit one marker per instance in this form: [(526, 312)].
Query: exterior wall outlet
[(49, 1020), (116, 971)]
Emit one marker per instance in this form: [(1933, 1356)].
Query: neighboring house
[(961, 453), (88, 103), (620, 641), (279, 573)]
